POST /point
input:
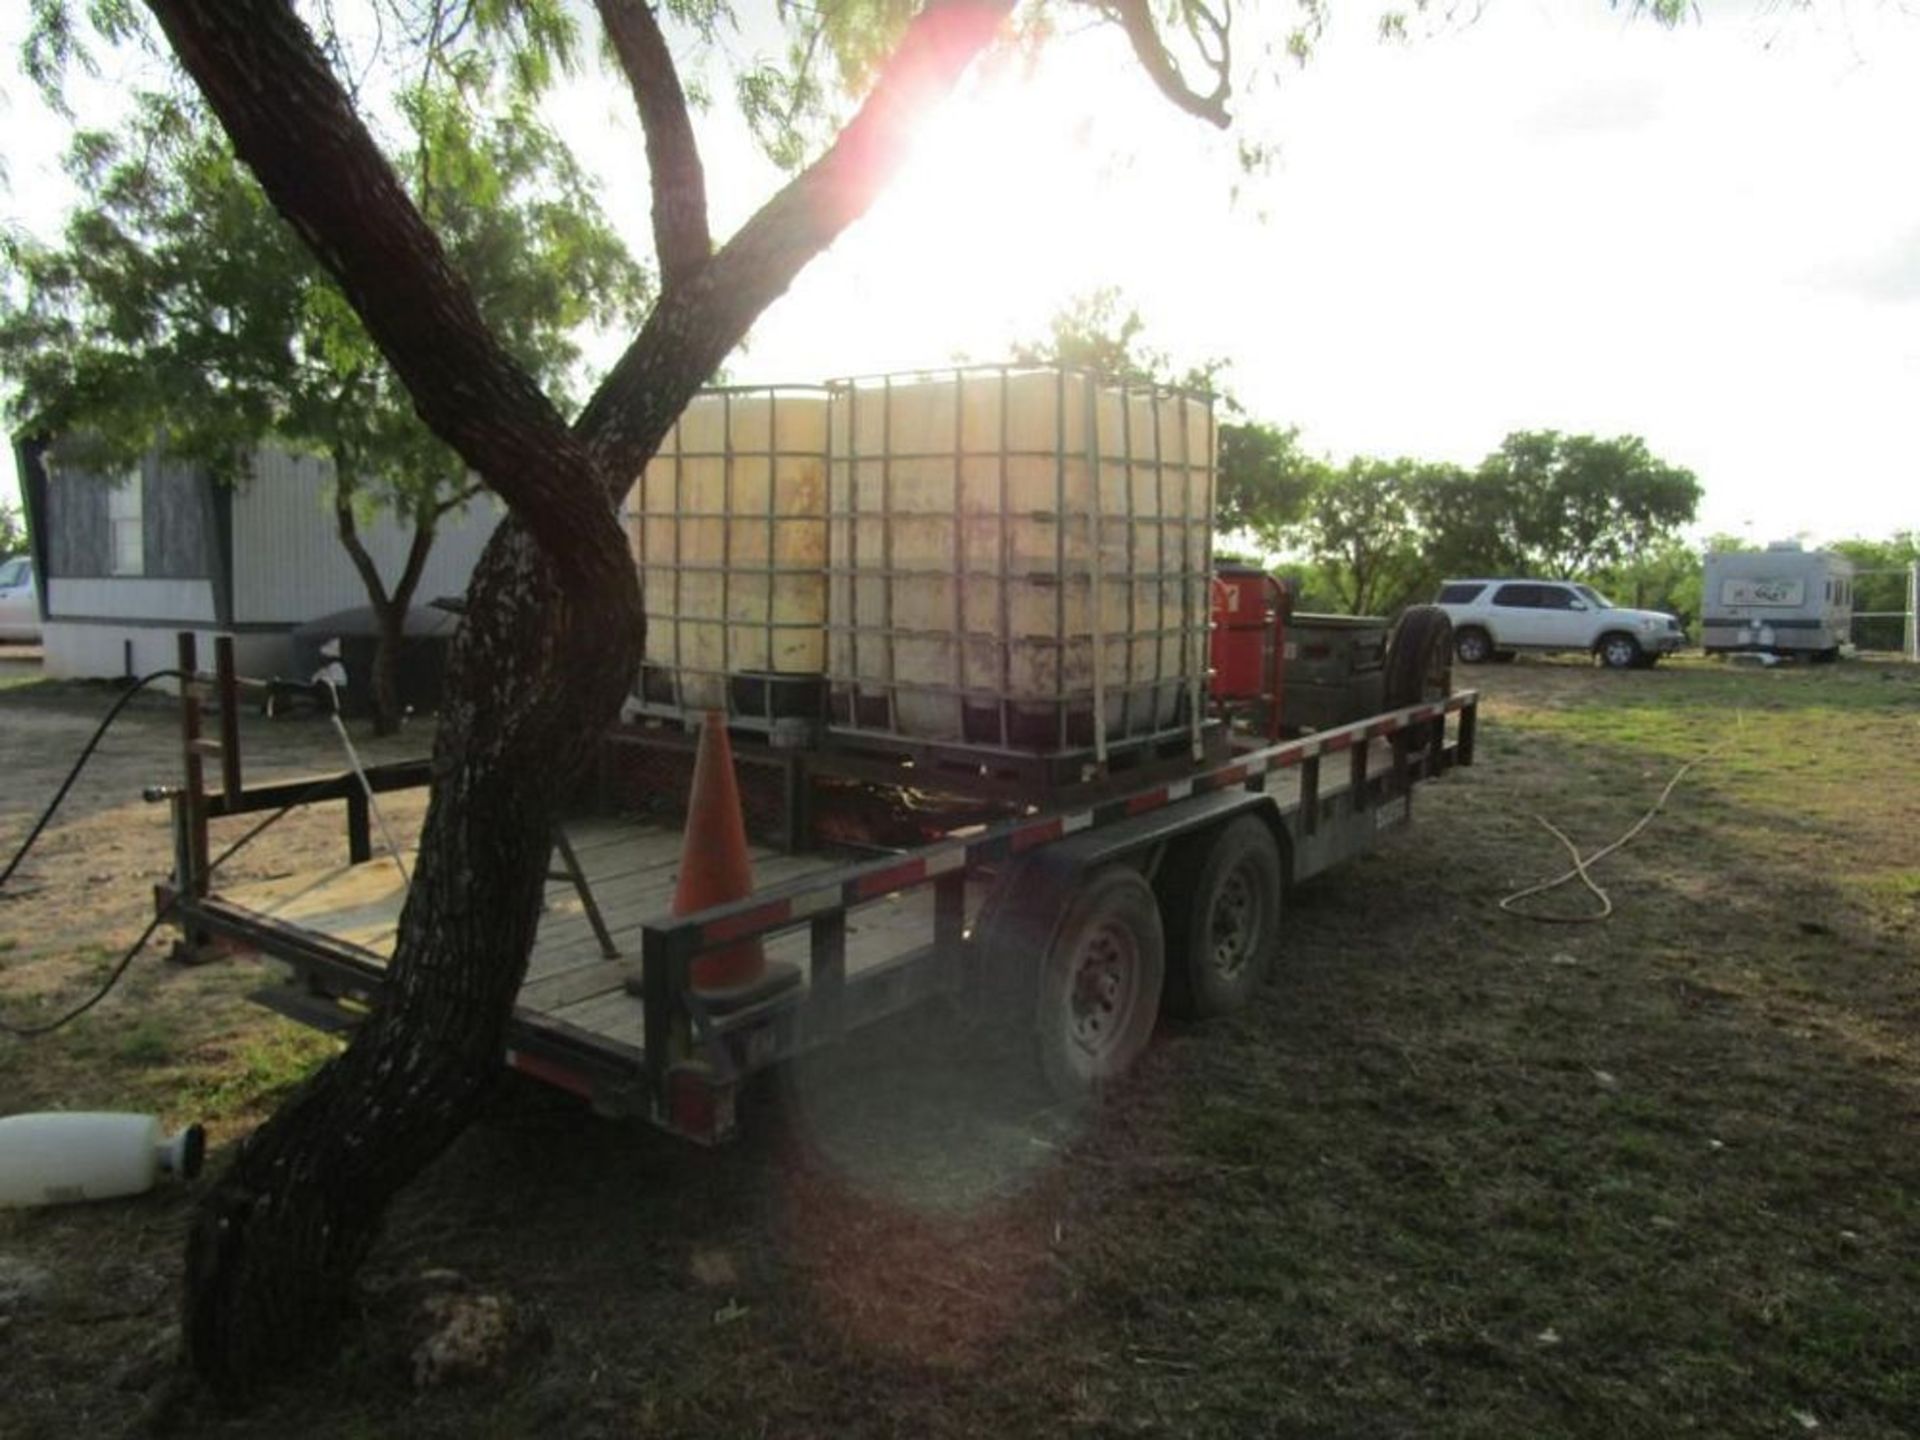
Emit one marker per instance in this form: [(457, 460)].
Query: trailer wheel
[(1100, 984), (1222, 895), (1419, 657)]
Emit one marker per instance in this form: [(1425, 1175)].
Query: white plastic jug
[(58, 1158)]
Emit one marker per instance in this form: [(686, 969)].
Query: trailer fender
[(1021, 916)]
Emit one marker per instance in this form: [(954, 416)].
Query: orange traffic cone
[(715, 868), (714, 865)]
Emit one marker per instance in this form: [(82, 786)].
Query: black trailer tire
[(1472, 645), (1419, 658), (1618, 650), (1221, 898), (1100, 984)]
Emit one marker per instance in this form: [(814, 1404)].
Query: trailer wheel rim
[(1234, 925), (1101, 990)]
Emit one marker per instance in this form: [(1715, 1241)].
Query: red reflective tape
[(1152, 800), (1232, 775), (748, 922), (1339, 741), (1383, 727), (894, 877), (1034, 835), (549, 1073)]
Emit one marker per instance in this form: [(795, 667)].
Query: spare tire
[(1419, 664)]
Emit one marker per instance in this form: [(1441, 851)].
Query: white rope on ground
[(360, 774), (1580, 866)]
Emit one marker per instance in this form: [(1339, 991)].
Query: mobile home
[(1783, 600), (126, 560)]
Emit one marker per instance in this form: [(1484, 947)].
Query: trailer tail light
[(699, 1107), (538, 1067)]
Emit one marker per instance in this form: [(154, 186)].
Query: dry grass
[(1456, 1174)]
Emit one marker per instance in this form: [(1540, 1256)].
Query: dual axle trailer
[(1070, 925)]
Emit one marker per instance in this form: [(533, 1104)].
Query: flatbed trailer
[(1067, 923)]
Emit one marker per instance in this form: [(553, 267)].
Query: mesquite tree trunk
[(390, 606), (534, 678), (387, 710), (552, 635)]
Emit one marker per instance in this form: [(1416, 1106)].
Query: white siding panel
[(126, 598), (289, 565), (102, 650)]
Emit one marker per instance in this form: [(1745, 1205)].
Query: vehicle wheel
[(1472, 646), (1419, 658), (1222, 912), (1618, 651), (1100, 984)]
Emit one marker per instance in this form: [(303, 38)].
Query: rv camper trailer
[(1780, 601)]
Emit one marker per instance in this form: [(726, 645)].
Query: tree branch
[(424, 530), (349, 532), (697, 325), (325, 174), (681, 240), (1135, 17), (455, 501)]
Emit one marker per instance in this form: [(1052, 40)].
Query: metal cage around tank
[(1020, 560), (727, 524)]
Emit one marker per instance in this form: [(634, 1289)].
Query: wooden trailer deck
[(352, 912), (631, 869)]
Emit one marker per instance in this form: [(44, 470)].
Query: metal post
[(827, 977), (1913, 611), (229, 720), (195, 882), (359, 829)]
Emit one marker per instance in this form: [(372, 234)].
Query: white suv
[(1492, 619)]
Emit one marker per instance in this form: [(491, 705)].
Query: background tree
[(13, 531), (1880, 584), (182, 312), (1099, 331), (1265, 477), (1664, 576), (553, 629), (1470, 524), (1362, 535), (1267, 483), (1577, 504)]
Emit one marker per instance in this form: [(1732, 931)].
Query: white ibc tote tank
[(1020, 557), (728, 525)]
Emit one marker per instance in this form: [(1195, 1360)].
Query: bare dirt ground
[(1455, 1173)]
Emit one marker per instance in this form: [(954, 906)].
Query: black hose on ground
[(28, 1032), (80, 764)]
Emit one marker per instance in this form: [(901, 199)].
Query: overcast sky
[(1549, 218)]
